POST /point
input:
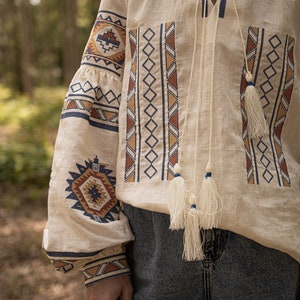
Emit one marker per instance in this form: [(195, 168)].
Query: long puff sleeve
[(86, 228)]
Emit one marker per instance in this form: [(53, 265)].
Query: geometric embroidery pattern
[(149, 96), (93, 190), (271, 61), (265, 161), (106, 46), (281, 109), (99, 107), (267, 88), (172, 96), (63, 265), (130, 165), (108, 41), (150, 130), (269, 71), (106, 268)]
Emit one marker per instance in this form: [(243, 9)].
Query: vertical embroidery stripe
[(265, 159), (159, 116), (139, 134), (222, 8), (131, 139), (281, 109), (149, 98), (163, 101), (204, 8), (172, 96)]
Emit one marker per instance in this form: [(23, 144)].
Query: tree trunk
[(26, 47), (71, 51)]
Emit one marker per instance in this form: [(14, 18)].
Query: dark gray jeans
[(235, 267)]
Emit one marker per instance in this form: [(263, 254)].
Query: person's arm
[(86, 228)]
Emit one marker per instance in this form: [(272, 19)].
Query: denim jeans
[(234, 268)]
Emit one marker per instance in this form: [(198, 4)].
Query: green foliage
[(28, 129), (46, 43)]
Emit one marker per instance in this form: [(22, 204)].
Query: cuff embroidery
[(105, 268)]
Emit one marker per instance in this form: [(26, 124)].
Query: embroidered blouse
[(161, 82)]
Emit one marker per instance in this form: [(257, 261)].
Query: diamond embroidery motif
[(148, 49), (270, 72), (94, 192), (150, 95), (266, 87), (150, 111), (265, 161), (151, 125), (152, 141), (151, 156), (268, 176), (149, 34), (275, 41), (149, 79), (87, 86), (264, 101), (151, 171), (148, 64), (110, 97), (262, 147), (273, 57)]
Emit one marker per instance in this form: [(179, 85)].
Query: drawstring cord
[(176, 195), (190, 210), (205, 207), (210, 201), (199, 100), (192, 243), (190, 81)]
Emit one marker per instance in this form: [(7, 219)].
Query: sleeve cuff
[(105, 268)]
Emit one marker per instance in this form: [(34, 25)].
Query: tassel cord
[(210, 202), (176, 200), (241, 35), (202, 52), (257, 124), (177, 189), (212, 89), (187, 103), (192, 241)]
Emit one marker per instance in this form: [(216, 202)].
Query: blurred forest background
[(41, 42)]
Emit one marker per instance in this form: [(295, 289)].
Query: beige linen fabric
[(258, 179)]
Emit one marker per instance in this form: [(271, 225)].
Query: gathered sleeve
[(86, 229)]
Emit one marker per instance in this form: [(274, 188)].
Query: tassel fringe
[(204, 213), (210, 202), (257, 124), (192, 241), (176, 200)]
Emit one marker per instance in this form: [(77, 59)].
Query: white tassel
[(257, 124), (192, 240), (210, 202), (176, 200)]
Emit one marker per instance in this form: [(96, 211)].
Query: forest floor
[(25, 271)]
